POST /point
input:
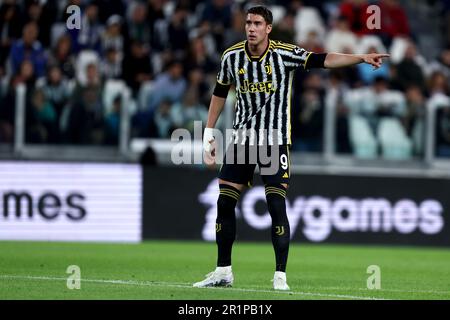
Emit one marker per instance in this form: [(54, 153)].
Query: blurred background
[(137, 70), (114, 90)]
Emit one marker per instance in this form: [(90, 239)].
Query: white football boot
[(221, 277), (279, 281)]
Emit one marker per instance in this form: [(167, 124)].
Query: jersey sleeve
[(225, 75), (294, 56)]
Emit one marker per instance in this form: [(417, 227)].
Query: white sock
[(281, 274), (226, 269)]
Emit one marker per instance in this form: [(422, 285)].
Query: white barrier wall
[(70, 202)]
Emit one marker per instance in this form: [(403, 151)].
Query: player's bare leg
[(225, 235)]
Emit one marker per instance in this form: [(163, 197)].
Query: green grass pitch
[(166, 270)]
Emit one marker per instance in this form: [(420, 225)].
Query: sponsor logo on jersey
[(255, 87)]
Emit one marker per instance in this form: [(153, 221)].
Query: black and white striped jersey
[(263, 90)]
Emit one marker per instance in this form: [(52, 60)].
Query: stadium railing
[(129, 149)]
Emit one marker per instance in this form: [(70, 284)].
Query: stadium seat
[(397, 49), (113, 88), (361, 137), (368, 41), (143, 95), (308, 19), (278, 13), (85, 58), (395, 144)]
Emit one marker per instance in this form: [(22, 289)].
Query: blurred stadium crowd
[(167, 54)]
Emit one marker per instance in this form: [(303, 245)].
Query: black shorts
[(274, 164)]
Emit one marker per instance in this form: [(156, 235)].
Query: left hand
[(209, 145), (375, 59)]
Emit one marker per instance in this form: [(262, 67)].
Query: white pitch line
[(378, 290), (389, 290), (185, 285)]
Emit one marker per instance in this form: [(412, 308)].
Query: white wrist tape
[(208, 137)]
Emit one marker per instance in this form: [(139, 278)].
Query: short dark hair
[(263, 12)]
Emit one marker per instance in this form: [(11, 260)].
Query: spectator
[(137, 47), (108, 8), (199, 86), (437, 85), (414, 120), (41, 120), (187, 112), (82, 121), (394, 22), (442, 130), (198, 57), (307, 20), (350, 76), (192, 107), (155, 12), (236, 33), (112, 36), (341, 38), (10, 28), (217, 16), (307, 122), (112, 122), (26, 76), (284, 30), (368, 74), (445, 18), (164, 121), (202, 31), (28, 48), (177, 32), (334, 98), (62, 56), (93, 84), (355, 11), (86, 123), (137, 68), (313, 42), (442, 63), (408, 71), (8, 102), (137, 27), (439, 100), (111, 64), (168, 85), (88, 36), (44, 15), (56, 89)]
